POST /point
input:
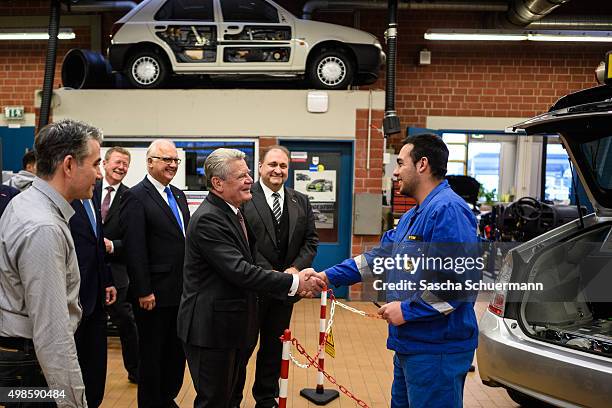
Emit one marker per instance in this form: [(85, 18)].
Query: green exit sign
[(14, 112)]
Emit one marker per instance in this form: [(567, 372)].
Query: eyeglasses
[(167, 160)]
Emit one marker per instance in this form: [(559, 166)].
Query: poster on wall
[(319, 186), (323, 215)]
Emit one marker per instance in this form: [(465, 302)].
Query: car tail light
[(114, 29), (498, 303)]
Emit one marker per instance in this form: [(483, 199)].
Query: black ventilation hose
[(391, 123), (391, 57), (47, 91)]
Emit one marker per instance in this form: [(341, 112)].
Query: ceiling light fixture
[(20, 34), (513, 35), (474, 35)]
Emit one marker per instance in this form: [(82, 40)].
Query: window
[(558, 174), (200, 10), (457, 152), (249, 11), (483, 164)]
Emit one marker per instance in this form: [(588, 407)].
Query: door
[(254, 36), (187, 29), (15, 142), (324, 172)]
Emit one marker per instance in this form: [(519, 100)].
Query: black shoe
[(132, 378)]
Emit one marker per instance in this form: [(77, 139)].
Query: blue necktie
[(173, 206), (92, 219)]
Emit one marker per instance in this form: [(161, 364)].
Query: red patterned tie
[(243, 225), (106, 202)]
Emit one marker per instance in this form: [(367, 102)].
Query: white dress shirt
[(112, 193), (270, 200), (160, 189)]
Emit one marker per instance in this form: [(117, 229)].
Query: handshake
[(312, 283)]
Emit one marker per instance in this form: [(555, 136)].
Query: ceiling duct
[(524, 12), (91, 6), (449, 5), (593, 23)]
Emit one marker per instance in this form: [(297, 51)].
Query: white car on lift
[(238, 38)]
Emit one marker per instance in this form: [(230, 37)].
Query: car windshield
[(593, 155)]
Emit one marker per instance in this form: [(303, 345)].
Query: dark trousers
[(90, 339), (161, 364), (20, 368), (214, 374), (122, 316), (274, 318)]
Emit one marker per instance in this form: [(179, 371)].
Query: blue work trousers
[(429, 380)]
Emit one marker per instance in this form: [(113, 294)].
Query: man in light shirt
[(39, 273)]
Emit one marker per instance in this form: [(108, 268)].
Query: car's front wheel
[(146, 69), (331, 69)]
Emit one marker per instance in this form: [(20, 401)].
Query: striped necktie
[(276, 208)]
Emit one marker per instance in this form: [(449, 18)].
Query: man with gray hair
[(218, 312), (154, 216), (39, 273)]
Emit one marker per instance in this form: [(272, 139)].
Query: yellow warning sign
[(329, 345)]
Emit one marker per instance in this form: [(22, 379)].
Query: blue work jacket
[(436, 322)]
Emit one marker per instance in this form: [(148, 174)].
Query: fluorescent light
[(469, 35), (514, 35), (570, 36), (34, 34)]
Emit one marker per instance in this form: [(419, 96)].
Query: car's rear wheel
[(146, 69), (525, 400), (331, 69)]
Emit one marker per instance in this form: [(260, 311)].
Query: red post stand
[(284, 374), (321, 396)]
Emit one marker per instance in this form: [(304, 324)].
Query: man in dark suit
[(218, 312), (154, 216), (95, 292), (6, 194), (109, 191), (283, 221)]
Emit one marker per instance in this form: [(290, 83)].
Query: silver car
[(238, 38), (553, 343)]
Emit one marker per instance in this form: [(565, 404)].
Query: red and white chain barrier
[(324, 330)]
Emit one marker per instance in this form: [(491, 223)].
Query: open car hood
[(586, 133)]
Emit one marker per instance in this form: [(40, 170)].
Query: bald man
[(154, 216)]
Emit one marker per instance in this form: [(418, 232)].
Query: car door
[(254, 36), (187, 31)]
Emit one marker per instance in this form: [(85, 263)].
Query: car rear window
[(247, 11), (598, 156), (191, 10)]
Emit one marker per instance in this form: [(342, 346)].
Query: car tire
[(146, 69), (331, 69), (525, 400)]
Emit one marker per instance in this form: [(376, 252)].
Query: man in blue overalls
[(434, 333)]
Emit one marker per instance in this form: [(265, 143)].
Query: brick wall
[(366, 180), (499, 79), (464, 79)]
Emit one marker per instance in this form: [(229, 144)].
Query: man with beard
[(434, 334)]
